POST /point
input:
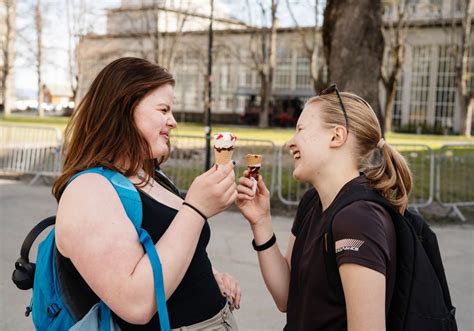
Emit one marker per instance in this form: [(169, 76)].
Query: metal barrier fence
[(455, 177), (448, 177), (419, 157), (30, 150), (188, 157)]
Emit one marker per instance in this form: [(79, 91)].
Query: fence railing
[(419, 157), (30, 150), (447, 177), (455, 177)]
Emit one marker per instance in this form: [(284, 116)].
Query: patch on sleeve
[(348, 245)]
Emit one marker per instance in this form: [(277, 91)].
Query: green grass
[(277, 135)]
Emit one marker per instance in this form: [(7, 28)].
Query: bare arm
[(274, 266), (103, 245), (364, 292)]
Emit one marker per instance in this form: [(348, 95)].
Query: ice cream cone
[(223, 147), (223, 156), (253, 160)]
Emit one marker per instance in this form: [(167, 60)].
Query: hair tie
[(381, 143)]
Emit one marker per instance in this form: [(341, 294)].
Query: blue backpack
[(50, 311)]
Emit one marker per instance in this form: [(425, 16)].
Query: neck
[(329, 184)]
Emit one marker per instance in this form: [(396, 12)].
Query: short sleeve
[(360, 233), (304, 207)]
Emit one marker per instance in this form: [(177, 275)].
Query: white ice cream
[(224, 140)]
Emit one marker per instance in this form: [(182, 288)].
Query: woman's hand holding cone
[(254, 206), (214, 190)]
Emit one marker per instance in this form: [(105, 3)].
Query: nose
[(171, 122), (290, 143)]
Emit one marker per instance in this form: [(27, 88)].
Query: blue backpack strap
[(158, 279), (132, 204)]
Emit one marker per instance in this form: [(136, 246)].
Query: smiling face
[(310, 145), (154, 119)]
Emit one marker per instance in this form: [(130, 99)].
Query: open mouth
[(296, 154)]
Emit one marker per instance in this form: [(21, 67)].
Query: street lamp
[(209, 91)]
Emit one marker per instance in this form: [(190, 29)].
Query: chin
[(297, 175), (161, 151)]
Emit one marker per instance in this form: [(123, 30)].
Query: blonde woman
[(338, 148)]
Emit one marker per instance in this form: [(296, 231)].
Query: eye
[(163, 110)]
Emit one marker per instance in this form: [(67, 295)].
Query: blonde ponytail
[(389, 174)]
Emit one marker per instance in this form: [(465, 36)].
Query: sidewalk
[(230, 250)]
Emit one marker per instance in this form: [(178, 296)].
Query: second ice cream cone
[(254, 162)]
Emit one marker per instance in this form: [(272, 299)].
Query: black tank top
[(196, 299)]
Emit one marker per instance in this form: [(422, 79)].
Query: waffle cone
[(223, 156), (253, 159)]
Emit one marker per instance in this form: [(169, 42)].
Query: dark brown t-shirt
[(363, 234)]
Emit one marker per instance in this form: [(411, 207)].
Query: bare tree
[(395, 41), (39, 55), (6, 47), (264, 58), (309, 38), (353, 47), (81, 19), (465, 96)]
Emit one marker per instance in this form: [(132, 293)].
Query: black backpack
[(421, 299)]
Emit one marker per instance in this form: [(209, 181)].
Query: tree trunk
[(7, 55), (389, 103), (39, 44), (354, 44), (267, 82), (314, 52), (468, 119), (391, 87)]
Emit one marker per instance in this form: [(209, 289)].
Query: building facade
[(426, 95)]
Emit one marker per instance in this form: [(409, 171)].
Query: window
[(445, 88), (303, 77), (419, 85), (283, 70)]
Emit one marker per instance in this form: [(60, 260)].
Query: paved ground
[(21, 206)]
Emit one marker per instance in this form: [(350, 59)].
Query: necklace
[(141, 176)]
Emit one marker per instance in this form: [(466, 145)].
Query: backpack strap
[(24, 273), (332, 270), (33, 234), (131, 202)]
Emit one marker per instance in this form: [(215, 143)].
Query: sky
[(55, 32)]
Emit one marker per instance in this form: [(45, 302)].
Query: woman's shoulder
[(362, 215), (88, 203)]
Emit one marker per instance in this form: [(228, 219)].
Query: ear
[(339, 136)]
